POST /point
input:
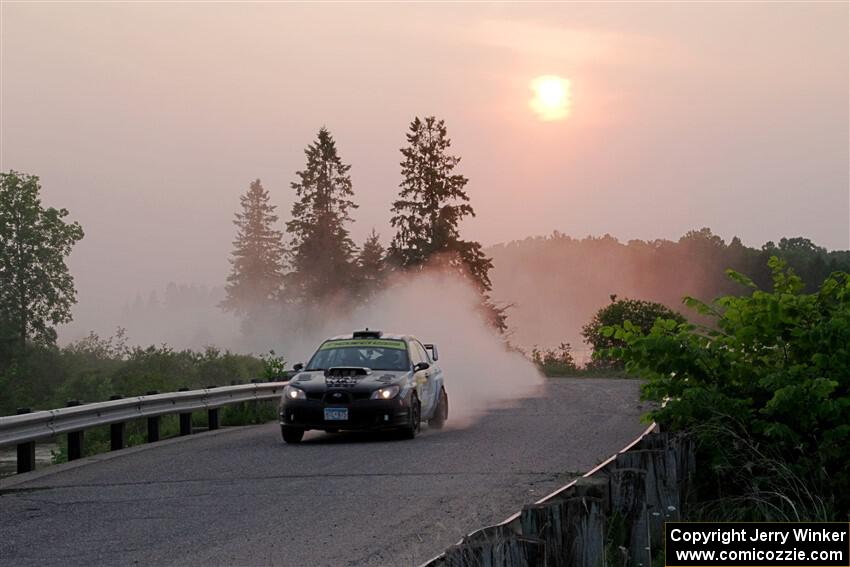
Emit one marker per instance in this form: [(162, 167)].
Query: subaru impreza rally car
[(367, 380)]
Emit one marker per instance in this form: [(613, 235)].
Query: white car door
[(426, 389)]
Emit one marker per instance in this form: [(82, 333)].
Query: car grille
[(336, 397)]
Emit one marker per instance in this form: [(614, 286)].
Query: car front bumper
[(362, 414)]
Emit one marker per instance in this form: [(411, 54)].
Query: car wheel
[(441, 414), (292, 434), (412, 428)]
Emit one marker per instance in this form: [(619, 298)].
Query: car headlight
[(293, 393), (387, 393)]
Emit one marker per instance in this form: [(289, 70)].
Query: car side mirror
[(432, 348), (421, 366), (298, 367)]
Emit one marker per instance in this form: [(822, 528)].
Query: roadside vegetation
[(94, 369), (560, 362), (764, 389)]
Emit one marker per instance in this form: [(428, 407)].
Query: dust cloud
[(481, 370)]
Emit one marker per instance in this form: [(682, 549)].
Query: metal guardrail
[(437, 560), (25, 429)]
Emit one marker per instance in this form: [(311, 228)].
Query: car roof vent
[(367, 334)]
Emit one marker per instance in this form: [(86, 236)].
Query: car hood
[(348, 379)]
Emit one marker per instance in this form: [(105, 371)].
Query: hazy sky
[(147, 120)]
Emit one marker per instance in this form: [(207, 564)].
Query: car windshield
[(377, 354)]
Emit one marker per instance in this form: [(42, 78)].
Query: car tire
[(441, 414), (410, 431), (292, 435)]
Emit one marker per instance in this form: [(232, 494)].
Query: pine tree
[(371, 265), (321, 250), (256, 276), (431, 204)]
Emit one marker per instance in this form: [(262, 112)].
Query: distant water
[(9, 457)]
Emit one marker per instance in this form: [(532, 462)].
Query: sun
[(551, 97)]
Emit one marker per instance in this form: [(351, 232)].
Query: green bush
[(640, 314), (765, 390), (93, 369), (555, 362), (274, 367)]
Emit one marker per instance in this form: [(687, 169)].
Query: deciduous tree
[(640, 314), (36, 289)]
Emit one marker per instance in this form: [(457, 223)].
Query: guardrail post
[(153, 424), (212, 418), (116, 432), (628, 499), (26, 451), (185, 419), (662, 483), (212, 415), (254, 405), (185, 424), (76, 439), (153, 429)]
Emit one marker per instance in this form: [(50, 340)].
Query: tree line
[(317, 266), (574, 277)]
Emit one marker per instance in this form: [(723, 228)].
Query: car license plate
[(336, 414)]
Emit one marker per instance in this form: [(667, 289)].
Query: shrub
[(94, 368), (274, 367), (640, 314), (555, 362), (770, 377)]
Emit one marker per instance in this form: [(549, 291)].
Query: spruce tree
[(256, 274), (321, 250), (372, 265), (431, 204)]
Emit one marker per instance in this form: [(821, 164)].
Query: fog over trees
[(431, 204), (257, 258), (321, 251), (557, 282), (304, 270), (288, 288), (319, 273)]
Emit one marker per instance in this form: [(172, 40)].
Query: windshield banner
[(364, 343)]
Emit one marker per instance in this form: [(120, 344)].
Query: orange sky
[(148, 120)]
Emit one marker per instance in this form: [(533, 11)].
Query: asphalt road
[(242, 497)]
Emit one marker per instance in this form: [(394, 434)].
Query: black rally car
[(366, 380)]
